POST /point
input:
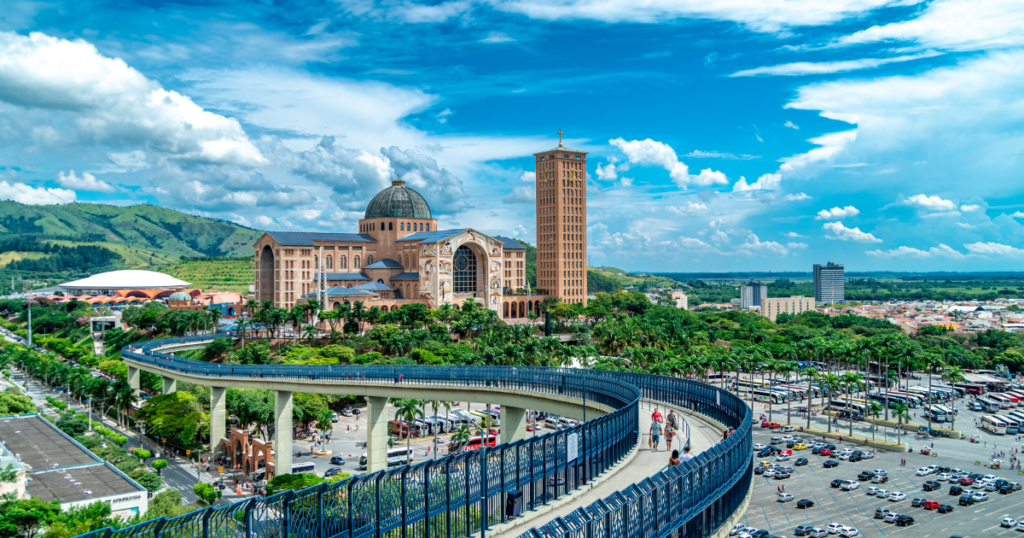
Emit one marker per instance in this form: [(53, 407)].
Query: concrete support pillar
[(134, 376), (170, 385), (218, 416), (282, 432), (513, 424), (376, 434)]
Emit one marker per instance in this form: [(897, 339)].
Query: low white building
[(773, 306)]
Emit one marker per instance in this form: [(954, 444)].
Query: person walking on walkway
[(686, 455), (673, 460), (670, 433), (655, 435)]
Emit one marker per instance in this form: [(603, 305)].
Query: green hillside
[(142, 227), (218, 274)]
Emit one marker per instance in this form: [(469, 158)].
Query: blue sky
[(723, 136)]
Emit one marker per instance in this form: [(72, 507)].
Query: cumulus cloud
[(265, 222), (651, 152), (767, 182), (796, 245), (529, 177), (692, 242), (928, 203), (993, 249), (966, 226), (791, 125), (108, 100), (837, 213), (829, 146), (820, 68), (793, 235), (497, 37), (442, 190), (689, 209), (521, 195), (27, 194), (1018, 215), (941, 251), (771, 247), (354, 175), (87, 182), (796, 197), (698, 154), (842, 233), (967, 208), (610, 171)]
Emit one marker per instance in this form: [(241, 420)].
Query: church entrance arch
[(266, 274)]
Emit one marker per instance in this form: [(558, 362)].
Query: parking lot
[(856, 508)]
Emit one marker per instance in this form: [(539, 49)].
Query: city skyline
[(726, 138)]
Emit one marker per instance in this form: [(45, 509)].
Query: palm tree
[(461, 436), (852, 381), (874, 409), (310, 332), (124, 396), (833, 382), (240, 326), (786, 368), (812, 375), (931, 361), (952, 375), (406, 410), (902, 416)]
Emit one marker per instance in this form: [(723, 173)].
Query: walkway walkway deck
[(647, 462)]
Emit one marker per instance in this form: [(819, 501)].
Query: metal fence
[(464, 494)]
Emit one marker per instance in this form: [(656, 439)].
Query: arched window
[(330, 262), (382, 227), (428, 227), (369, 260), (343, 262), (355, 262), (407, 260), (402, 226), (390, 226), (464, 265)]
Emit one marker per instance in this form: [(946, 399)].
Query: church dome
[(398, 201), (179, 296)]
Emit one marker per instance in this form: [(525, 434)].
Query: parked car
[(785, 498), (918, 501), (833, 528), (865, 475), (955, 490), (931, 485), (850, 485), (1008, 522), (880, 513), (891, 517), (837, 483), (800, 461), (979, 496), (848, 532), (930, 505), (803, 530), (804, 503), (830, 464), (944, 509), (896, 497), (904, 521), (966, 499)]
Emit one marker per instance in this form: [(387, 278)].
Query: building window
[(355, 262), (369, 260), (342, 262), (330, 262), (464, 265), (428, 227), (390, 226), (382, 227)]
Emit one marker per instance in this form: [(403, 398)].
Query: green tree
[(406, 410), (207, 493), (24, 518), (294, 482), (159, 465), (902, 415)]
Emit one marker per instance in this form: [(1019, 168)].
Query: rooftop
[(307, 238), (129, 279), (561, 149), (40, 445), (507, 243), (432, 237), (79, 484), (386, 263)]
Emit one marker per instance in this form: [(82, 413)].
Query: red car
[(771, 425), (930, 505), (786, 452), (966, 481), (825, 452)]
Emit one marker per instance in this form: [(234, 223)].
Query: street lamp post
[(29, 304), (485, 438)]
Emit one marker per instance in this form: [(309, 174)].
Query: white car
[(923, 471), (782, 457), (742, 529), (990, 477), (833, 528), (896, 497), (877, 479), (872, 490), (847, 532), (979, 496), (785, 498), (932, 469), (991, 486), (891, 517), (769, 473), (1008, 522), (1020, 526), (880, 472), (787, 438), (979, 484), (758, 446), (883, 494), (789, 428), (957, 471), (851, 485), (944, 477)]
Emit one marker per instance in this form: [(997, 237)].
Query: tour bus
[(993, 424), (849, 404), (482, 413), (461, 416), (930, 396), (1012, 424), (971, 388), (718, 377), (991, 406), (747, 384), (797, 391), (1018, 416), (307, 467), (776, 397), (472, 444), (1013, 398), (402, 429), (948, 410), (921, 398), (396, 456), (937, 412), (788, 393), (881, 398), (1019, 393), (1004, 401), (912, 401)]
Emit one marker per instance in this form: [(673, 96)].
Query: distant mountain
[(141, 233)]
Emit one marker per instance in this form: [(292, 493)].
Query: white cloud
[(793, 235), (819, 68), (759, 139), (767, 182), (627, 182), (27, 194), (842, 233), (87, 182), (529, 177), (929, 203), (966, 226), (760, 16), (651, 152), (1018, 215), (791, 125), (796, 197), (967, 208), (837, 213), (108, 100), (689, 209), (829, 146), (941, 251), (497, 37), (692, 242), (753, 243), (699, 154), (610, 171), (309, 214), (434, 13), (796, 245), (720, 237), (265, 222), (354, 175), (953, 25), (442, 116), (993, 249), (521, 195)]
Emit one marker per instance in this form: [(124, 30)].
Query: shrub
[(159, 465)]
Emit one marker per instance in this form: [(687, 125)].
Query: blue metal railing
[(449, 496)]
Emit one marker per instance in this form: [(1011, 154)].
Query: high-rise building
[(771, 308), (753, 294), (829, 283), (561, 183)]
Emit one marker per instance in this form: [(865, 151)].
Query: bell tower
[(561, 184)]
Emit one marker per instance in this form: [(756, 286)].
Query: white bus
[(847, 404), (1004, 401), (993, 424), (798, 391), (776, 397), (917, 399), (297, 468), (937, 413), (948, 410), (748, 384), (396, 456), (990, 406), (1012, 424)]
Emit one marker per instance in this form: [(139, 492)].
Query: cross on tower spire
[(559, 138)]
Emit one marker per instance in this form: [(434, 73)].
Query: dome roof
[(398, 201), (129, 279), (179, 296)]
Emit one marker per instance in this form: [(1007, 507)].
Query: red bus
[(977, 390), (473, 444)]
